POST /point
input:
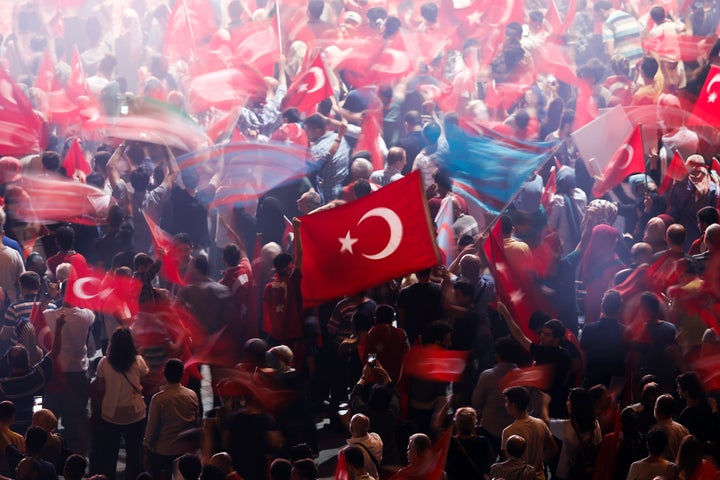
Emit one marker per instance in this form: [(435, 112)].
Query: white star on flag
[(516, 296), (712, 97), (347, 243)]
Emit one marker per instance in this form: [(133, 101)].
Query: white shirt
[(74, 352), (11, 266)]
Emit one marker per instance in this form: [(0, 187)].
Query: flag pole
[(279, 30)]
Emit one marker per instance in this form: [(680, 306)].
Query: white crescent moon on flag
[(319, 79), (397, 61), (79, 287), (714, 80), (396, 231), (630, 151)]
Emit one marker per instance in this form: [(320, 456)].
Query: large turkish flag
[(309, 88), (706, 106), (628, 159), (360, 244)]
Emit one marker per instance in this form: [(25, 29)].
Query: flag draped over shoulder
[(360, 244), (494, 168)]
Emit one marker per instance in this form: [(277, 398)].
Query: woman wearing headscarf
[(567, 209), (600, 263)]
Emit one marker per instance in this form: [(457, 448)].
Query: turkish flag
[(100, 292), (191, 24), (222, 124), (46, 80), (434, 363), (75, 160), (309, 88), (165, 247), (552, 59), (586, 109), (706, 104), (676, 171), (538, 376), (369, 138), (628, 159), (381, 236), (258, 48), (77, 84)]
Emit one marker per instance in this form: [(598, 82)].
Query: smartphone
[(372, 359)]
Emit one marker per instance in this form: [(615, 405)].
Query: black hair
[(708, 215), (354, 456), (280, 469), (506, 224), (556, 326), (435, 332), (140, 178), (582, 411), (691, 384), (95, 179), (413, 118), (306, 469), (650, 302), (50, 160), (65, 237), (315, 121), (202, 264), (517, 396), (211, 472), (75, 467), (30, 281), (136, 154), (173, 370), (282, 261), (7, 411), (35, 439), (384, 314), (121, 352), (429, 11), (315, 8), (611, 302), (649, 67), (231, 254), (190, 466), (656, 440), (432, 131)]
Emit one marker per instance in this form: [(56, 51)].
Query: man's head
[(413, 120), (29, 282), (465, 420), (189, 466), (75, 467), (611, 302), (470, 267), (438, 333), (359, 425), (280, 469), (140, 179), (712, 237), (432, 132), (650, 306), (418, 446), (314, 126), (355, 460), (173, 370), (50, 160), (65, 238), (664, 407), (641, 252), (517, 400), (360, 167), (35, 439), (515, 446), (384, 314), (675, 235), (656, 440), (308, 202), (315, 9), (706, 216), (657, 13), (602, 9), (303, 469), (552, 332), (18, 358), (7, 412), (396, 157), (282, 263), (648, 68), (27, 469), (429, 12), (201, 266), (231, 255)]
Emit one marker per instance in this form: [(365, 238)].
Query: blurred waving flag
[(495, 169), (20, 126), (250, 169), (628, 159)]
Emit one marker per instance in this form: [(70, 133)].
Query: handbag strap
[(467, 456), (131, 384), (372, 457)]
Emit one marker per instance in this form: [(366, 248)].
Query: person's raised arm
[(173, 169), (112, 166), (515, 329)]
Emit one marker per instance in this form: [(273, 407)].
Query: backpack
[(587, 455)]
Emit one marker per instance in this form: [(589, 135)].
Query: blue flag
[(493, 170)]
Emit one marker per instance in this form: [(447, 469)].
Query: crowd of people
[(594, 357)]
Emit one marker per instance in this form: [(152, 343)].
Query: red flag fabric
[(550, 188), (20, 127), (51, 200), (552, 59), (538, 376), (432, 465), (114, 295), (384, 235), (165, 247), (309, 88), (446, 235), (77, 84), (222, 125), (434, 363), (341, 471), (676, 171), (43, 334), (258, 48), (715, 166), (191, 24), (224, 89), (509, 284), (369, 138), (586, 109), (628, 159), (75, 160), (45, 79), (705, 106)]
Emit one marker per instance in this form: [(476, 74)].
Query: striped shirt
[(513, 469), (625, 32), (25, 333)]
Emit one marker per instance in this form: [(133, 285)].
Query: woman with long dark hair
[(123, 408), (580, 435), (690, 462)]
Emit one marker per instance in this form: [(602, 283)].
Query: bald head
[(675, 235), (361, 168), (712, 237), (470, 266), (641, 253), (418, 445), (359, 425), (396, 157)]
